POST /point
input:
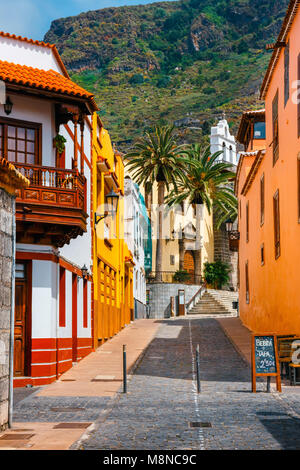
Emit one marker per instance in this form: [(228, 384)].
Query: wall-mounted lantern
[(84, 271), (112, 200), (8, 105), (233, 235)]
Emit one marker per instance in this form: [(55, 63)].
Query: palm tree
[(206, 181), (155, 158)]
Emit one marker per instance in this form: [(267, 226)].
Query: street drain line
[(194, 388)]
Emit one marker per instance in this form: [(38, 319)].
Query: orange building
[(268, 189)]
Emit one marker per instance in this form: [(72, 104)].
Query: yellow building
[(188, 238), (112, 260)]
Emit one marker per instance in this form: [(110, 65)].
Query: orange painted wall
[(275, 287)]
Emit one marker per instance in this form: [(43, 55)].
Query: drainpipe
[(12, 318)]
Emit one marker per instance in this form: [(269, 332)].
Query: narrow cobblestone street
[(161, 407), (162, 400)]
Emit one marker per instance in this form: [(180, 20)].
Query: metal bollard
[(268, 384), (124, 370), (198, 368)]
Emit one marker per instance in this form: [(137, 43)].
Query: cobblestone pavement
[(59, 409), (162, 400)]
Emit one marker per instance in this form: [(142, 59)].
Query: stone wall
[(139, 309), (160, 294), (6, 258)]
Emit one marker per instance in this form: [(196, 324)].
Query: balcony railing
[(53, 185)]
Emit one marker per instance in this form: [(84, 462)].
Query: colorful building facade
[(137, 226), (187, 237), (268, 188), (113, 262), (46, 132)]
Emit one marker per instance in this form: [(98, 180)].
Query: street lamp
[(233, 235), (84, 271), (112, 199), (8, 105), (229, 225)]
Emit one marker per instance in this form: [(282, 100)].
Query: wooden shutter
[(298, 177), (276, 224), (275, 129), (286, 73), (262, 199), (247, 222), (298, 95), (247, 282)]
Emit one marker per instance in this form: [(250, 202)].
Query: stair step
[(215, 302)]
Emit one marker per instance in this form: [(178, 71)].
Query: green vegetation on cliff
[(181, 62)]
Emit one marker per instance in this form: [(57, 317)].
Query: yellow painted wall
[(171, 247), (112, 268)]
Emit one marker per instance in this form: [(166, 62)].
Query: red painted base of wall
[(50, 358)]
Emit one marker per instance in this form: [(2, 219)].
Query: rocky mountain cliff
[(182, 61)]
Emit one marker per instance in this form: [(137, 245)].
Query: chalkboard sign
[(265, 359)]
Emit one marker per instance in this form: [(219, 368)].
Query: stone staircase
[(215, 302)]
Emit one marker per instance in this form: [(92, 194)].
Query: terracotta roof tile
[(24, 39), (45, 80)]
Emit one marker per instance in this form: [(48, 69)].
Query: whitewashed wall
[(23, 53), (37, 111)]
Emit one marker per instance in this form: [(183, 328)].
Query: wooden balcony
[(234, 240), (52, 210)]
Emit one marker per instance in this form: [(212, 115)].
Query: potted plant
[(59, 143), (216, 274)]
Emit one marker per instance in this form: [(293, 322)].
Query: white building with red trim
[(53, 287)]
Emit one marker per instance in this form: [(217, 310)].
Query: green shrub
[(209, 90), (136, 79), (217, 274), (181, 276)]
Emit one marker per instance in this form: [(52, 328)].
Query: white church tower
[(222, 140)]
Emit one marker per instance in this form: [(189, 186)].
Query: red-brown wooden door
[(189, 266), (21, 330)]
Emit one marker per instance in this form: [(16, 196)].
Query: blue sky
[(32, 18)]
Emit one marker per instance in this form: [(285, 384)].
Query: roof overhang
[(111, 180), (248, 117), (258, 157), (281, 42)]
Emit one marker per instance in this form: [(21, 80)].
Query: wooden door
[(189, 266), (21, 330)]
